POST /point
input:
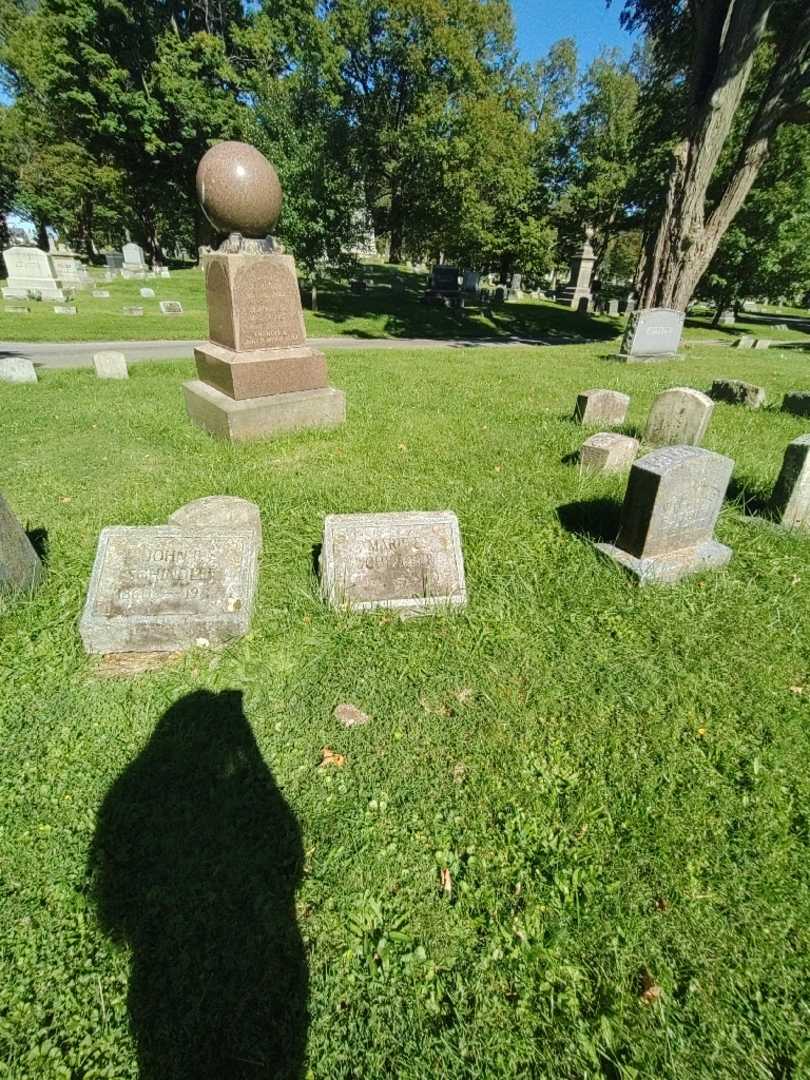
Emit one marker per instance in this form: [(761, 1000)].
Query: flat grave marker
[(132, 309), (110, 364), (147, 294), (608, 451), (100, 294), (17, 369), (737, 392), (64, 309), (171, 307)]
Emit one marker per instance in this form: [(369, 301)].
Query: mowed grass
[(572, 840)]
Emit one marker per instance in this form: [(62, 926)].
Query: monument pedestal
[(257, 375)]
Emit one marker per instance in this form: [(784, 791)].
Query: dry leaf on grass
[(651, 991), (447, 883), (459, 770), (329, 757), (464, 695), (350, 715), (797, 689)]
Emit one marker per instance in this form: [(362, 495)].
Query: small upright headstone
[(780, 326), (607, 451), (630, 305), (726, 317), (601, 407), (134, 264), (147, 293), (170, 307), (613, 307), (409, 562), (737, 392), (17, 369), (165, 272), (790, 503), (471, 281), (168, 588), (110, 364), (762, 343), (64, 309), (220, 511), (20, 568), (673, 498), (583, 305), (652, 334), (132, 309), (101, 294), (679, 417), (797, 402), (745, 341)]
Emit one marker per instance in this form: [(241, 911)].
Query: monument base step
[(668, 568), (628, 358), (262, 417), (265, 372)]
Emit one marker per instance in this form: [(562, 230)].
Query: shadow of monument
[(594, 519), (751, 499), (195, 862)]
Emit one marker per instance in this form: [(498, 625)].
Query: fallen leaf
[(65, 499), (796, 580), (403, 446), (458, 772), (497, 468), (661, 904), (464, 695), (651, 991), (350, 715), (701, 732), (447, 883), (329, 757), (797, 689)]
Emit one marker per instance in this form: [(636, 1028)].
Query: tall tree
[(712, 47)]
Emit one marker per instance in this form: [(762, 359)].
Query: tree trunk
[(42, 235), (396, 224)]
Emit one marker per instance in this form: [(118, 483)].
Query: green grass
[(701, 328), (616, 779), (377, 313)]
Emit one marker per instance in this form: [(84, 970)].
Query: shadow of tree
[(595, 519), (194, 863)]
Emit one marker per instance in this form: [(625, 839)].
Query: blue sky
[(591, 23)]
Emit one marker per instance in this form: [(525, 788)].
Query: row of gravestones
[(167, 307), (108, 364), (36, 274)]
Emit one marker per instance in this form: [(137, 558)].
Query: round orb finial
[(238, 189)]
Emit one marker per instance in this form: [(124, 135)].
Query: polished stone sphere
[(238, 189)]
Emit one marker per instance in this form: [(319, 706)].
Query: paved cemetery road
[(49, 354)]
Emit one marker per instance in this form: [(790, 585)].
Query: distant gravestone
[(444, 279), (220, 511), (101, 294), (726, 317), (679, 417), (613, 307), (608, 451), (20, 568), (169, 588), (17, 369), (165, 272), (746, 341), (601, 407), (114, 260), (673, 498), (398, 284), (790, 503), (64, 309), (170, 307), (583, 305), (357, 286), (797, 402), (30, 271), (780, 326), (134, 264), (110, 364), (16, 309), (410, 562), (737, 392), (471, 281), (132, 309), (762, 343), (147, 294), (630, 305), (652, 334)]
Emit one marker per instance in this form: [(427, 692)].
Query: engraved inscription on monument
[(168, 588), (410, 561), (269, 306)]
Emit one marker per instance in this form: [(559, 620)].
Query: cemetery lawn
[(572, 839)]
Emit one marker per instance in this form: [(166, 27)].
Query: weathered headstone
[(679, 417), (797, 402), (17, 369), (30, 270), (470, 281), (409, 561), (147, 294), (70, 270), (220, 511), (583, 305), (762, 343), (132, 309), (613, 307), (100, 294), (737, 392), (165, 272), (652, 334), (257, 376), (790, 503), (16, 309), (110, 364), (64, 309), (726, 317), (673, 498), (20, 568), (134, 264), (170, 307), (169, 588), (114, 260), (607, 451), (601, 407), (745, 341), (444, 279)]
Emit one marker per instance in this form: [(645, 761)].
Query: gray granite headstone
[(583, 305), (64, 309), (17, 369), (168, 588), (673, 498), (745, 341), (797, 402), (608, 451), (409, 561), (613, 307), (678, 417), (652, 334), (110, 364), (20, 568), (737, 392), (147, 293), (101, 294), (762, 343), (220, 511), (790, 503), (601, 407), (726, 317), (170, 307)]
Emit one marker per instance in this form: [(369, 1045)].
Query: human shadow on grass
[(594, 519), (194, 864)]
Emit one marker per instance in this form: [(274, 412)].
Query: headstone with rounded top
[(110, 364), (222, 511), (679, 416), (673, 499), (17, 369), (601, 407), (737, 392), (607, 451), (790, 502), (257, 376), (147, 294), (20, 568)]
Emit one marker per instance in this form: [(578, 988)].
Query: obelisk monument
[(257, 377)]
